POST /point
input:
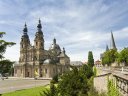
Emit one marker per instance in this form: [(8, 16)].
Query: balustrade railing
[(122, 83)]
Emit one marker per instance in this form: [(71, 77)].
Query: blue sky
[(78, 25)]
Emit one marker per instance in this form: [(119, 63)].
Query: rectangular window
[(46, 71), (15, 71), (53, 70), (36, 69)]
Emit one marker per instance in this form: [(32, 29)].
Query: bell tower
[(24, 44), (24, 48), (39, 38), (39, 48)]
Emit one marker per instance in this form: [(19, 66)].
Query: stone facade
[(35, 60)]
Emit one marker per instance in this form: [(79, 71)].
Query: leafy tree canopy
[(4, 44), (5, 65), (109, 57), (123, 56)]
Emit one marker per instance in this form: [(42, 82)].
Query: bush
[(93, 92), (112, 90), (95, 71), (74, 83), (50, 92), (55, 78), (53, 81), (87, 71)]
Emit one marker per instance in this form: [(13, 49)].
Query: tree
[(86, 71), (106, 58), (109, 57), (75, 82), (51, 92), (3, 45), (90, 59), (123, 56), (5, 65)]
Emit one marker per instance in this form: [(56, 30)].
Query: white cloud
[(12, 53), (78, 25)]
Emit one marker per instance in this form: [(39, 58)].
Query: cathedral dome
[(55, 47)]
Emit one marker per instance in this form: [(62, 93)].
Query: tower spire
[(107, 48), (39, 26), (54, 40), (39, 21), (39, 38), (113, 41), (25, 30), (64, 50)]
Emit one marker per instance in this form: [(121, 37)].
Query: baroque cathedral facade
[(35, 60)]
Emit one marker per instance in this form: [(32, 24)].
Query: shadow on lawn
[(21, 89)]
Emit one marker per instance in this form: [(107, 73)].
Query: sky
[(78, 25)]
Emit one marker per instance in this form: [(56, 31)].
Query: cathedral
[(112, 46), (36, 60)]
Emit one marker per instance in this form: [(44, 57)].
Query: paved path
[(9, 85)]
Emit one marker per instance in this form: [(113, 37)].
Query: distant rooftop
[(76, 63), (16, 62)]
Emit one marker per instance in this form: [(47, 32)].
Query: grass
[(27, 92)]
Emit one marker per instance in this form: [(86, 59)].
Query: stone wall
[(100, 83)]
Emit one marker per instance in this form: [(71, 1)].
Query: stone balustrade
[(121, 80), (122, 83)]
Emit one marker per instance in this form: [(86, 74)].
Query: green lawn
[(27, 92)]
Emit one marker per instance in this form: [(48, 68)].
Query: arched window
[(36, 43), (45, 70), (21, 45), (34, 58)]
